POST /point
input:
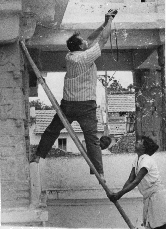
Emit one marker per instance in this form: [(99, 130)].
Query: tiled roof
[(44, 117), (121, 102)]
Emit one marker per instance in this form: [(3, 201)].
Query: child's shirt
[(151, 180)]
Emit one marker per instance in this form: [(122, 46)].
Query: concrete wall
[(71, 147), (14, 164), (69, 177)]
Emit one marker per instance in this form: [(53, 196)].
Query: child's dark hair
[(74, 42), (105, 141), (150, 146)]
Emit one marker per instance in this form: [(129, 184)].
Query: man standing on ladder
[(79, 93)]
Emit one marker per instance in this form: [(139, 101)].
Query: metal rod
[(71, 131)]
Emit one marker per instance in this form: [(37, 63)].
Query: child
[(145, 175)]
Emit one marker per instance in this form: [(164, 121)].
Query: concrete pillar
[(149, 104), (15, 182)]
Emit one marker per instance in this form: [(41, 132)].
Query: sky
[(55, 80)]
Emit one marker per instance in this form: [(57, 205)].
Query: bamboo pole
[(71, 132)]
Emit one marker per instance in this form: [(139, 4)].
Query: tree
[(40, 105), (115, 86), (130, 87)]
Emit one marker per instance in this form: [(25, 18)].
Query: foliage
[(40, 105), (116, 87), (53, 152), (113, 86)]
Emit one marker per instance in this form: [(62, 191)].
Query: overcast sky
[(55, 80)]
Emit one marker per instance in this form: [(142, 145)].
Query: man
[(79, 93)]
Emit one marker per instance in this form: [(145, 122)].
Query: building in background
[(121, 113), (64, 141)]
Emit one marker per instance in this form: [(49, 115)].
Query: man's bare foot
[(35, 158), (102, 178)]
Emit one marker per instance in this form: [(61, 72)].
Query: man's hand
[(110, 14)]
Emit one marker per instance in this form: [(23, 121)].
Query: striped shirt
[(81, 77)]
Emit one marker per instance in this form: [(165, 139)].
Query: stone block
[(17, 142), (17, 215), (9, 27), (10, 194), (44, 9), (11, 104), (7, 151), (16, 185), (15, 168), (22, 169), (9, 127), (7, 80), (10, 6), (15, 203), (8, 169), (10, 59)]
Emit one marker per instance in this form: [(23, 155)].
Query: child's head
[(147, 145), (105, 141)]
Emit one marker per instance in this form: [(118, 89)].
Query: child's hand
[(114, 196)]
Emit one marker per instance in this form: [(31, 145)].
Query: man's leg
[(49, 136), (162, 227), (88, 122)]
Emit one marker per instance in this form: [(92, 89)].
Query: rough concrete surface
[(93, 213)]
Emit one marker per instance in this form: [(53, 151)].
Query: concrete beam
[(55, 40), (128, 60)]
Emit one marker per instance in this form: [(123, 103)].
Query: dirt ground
[(93, 213)]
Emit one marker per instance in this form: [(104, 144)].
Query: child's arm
[(131, 178), (129, 185)]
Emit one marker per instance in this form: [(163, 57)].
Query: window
[(62, 143)]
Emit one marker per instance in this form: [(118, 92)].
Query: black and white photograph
[(83, 114)]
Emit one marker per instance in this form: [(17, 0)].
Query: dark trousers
[(162, 227), (84, 112)]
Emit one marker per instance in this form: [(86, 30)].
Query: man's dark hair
[(150, 146), (74, 42)]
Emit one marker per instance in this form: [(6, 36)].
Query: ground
[(93, 213)]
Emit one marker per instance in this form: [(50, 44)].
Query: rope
[(117, 49)]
